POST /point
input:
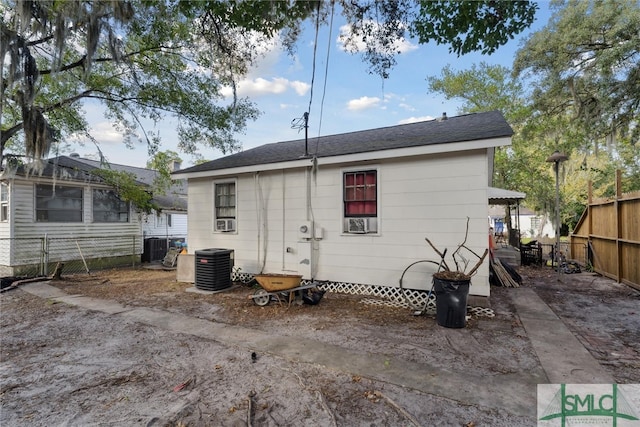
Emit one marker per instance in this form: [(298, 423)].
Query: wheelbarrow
[(278, 285)]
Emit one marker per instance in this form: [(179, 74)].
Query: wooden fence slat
[(611, 228)]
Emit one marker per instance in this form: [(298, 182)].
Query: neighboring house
[(64, 200), (171, 222), (357, 208), (530, 224)]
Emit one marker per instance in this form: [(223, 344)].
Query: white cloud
[(103, 132), (260, 86), (406, 106), (415, 120), (353, 42), (363, 103), (270, 54), (301, 88), (254, 83)]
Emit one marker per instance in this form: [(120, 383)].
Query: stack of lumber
[(505, 274)]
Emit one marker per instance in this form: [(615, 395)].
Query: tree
[(162, 163), (493, 23), (486, 87), (584, 70), (144, 59), (586, 61)]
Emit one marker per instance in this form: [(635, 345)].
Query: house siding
[(6, 229), (422, 196), (26, 227), (156, 225)]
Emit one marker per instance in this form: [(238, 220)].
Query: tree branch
[(441, 254), (7, 134), (83, 60), (68, 101), (460, 246)]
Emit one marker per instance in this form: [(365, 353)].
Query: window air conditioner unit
[(358, 225), (225, 225)]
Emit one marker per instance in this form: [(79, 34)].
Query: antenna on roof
[(300, 123)]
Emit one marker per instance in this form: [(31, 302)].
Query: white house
[(531, 224), (62, 211), (353, 208)]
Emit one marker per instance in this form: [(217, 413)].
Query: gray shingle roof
[(145, 176), (470, 127), (76, 168)]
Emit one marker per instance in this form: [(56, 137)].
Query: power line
[(326, 72), (315, 47)]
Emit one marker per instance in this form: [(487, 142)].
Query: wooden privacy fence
[(611, 230)]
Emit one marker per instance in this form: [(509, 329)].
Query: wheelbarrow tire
[(261, 297)]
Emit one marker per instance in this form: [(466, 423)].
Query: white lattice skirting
[(389, 296)]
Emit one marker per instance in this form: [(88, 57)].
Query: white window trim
[(93, 217), (214, 228), (69, 185), (343, 218), (4, 204)]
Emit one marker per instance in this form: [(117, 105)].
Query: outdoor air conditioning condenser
[(213, 269)]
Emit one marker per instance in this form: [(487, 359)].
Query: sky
[(344, 96)]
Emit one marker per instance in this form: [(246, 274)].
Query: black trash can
[(451, 302)]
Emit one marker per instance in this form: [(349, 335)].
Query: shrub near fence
[(39, 256)]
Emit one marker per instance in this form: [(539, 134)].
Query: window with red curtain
[(360, 194)]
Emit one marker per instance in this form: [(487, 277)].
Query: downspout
[(311, 173), (261, 240), (284, 220), (166, 228), (255, 195)]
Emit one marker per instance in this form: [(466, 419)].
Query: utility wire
[(326, 72), (315, 47), (303, 122)]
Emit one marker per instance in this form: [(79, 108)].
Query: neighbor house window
[(4, 201), (225, 206), (163, 220), (360, 198), (57, 203), (108, 207), (536, 221)]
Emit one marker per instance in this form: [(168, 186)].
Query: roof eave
[(395, 153)]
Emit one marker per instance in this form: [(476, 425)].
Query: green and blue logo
[(587, 404)]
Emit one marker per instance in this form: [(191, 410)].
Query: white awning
[(500, 196)]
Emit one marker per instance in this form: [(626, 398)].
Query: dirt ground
[(63, 365)]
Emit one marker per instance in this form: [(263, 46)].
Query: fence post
[(44, 267), (133, 251)]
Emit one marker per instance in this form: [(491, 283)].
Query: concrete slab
[(513, 393), (564, 359), (105, 306), (195, 290), (516, 392), (495, 325), (43, 290)]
